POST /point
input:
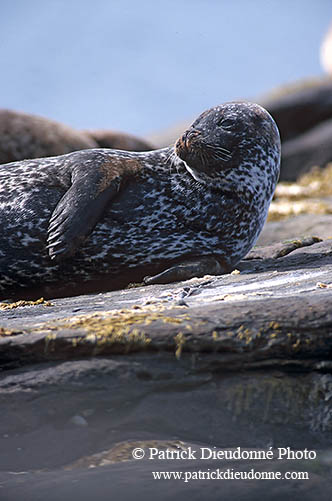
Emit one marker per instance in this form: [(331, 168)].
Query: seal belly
[(141, 226), (23, 254)]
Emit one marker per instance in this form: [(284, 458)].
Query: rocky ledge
[(275, 306), (239, 360)]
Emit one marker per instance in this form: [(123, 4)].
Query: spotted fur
[(184, 202)]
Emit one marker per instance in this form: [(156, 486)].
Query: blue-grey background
[(141, 65)]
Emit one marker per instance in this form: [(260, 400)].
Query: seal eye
[(225, 123)]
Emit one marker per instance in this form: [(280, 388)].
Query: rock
[(158, 402), (313, 148), (303, 113), (299, 107), (296, 227), (311, 195), (134, 480), (247, 363), (24, 135), (78, 421), (143, 399), (149, 318)]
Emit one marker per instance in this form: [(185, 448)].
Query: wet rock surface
[(296, 227), (240, 360), (109, 481)]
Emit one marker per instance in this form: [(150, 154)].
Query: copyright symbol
[(138, 453)]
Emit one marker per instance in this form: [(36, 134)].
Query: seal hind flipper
[(207, 265), (81, 207)]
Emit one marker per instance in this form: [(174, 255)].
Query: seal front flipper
[(94, 184), (205, 265)]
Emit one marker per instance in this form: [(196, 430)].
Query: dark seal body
[(113, 216), (23, 135), (118, 140)]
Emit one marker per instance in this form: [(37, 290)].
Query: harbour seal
[(98, 219), (24, 135), (118, 140)]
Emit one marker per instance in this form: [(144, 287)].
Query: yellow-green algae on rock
[(23, 302), (117, 328), (310, 195)]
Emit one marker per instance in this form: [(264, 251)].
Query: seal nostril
[(185, 143), (183, 140), (187, 140), (188, 137), (180, 143)]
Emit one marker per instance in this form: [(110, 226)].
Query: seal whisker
[(214, 147), (172, 160), (220, 149), (169, 156), (221, 156)]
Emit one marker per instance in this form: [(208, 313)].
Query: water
[(142, 65)]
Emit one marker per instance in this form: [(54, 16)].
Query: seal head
[(225, 139)]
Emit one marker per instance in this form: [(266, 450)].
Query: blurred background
[(142, 66)]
